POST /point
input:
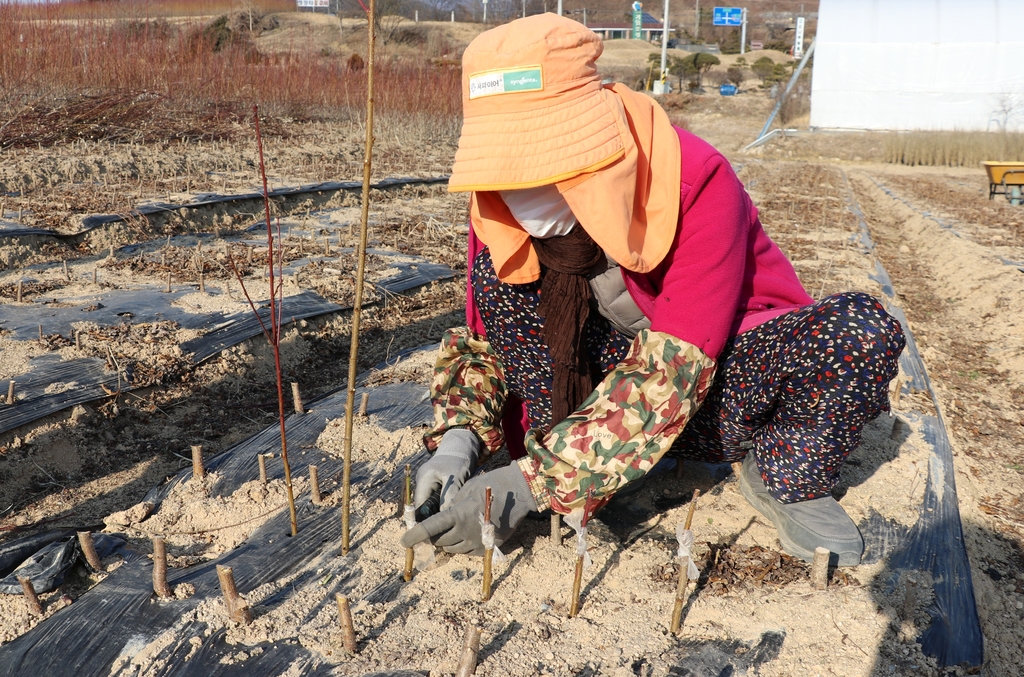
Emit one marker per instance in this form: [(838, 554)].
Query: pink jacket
[(722, 276)]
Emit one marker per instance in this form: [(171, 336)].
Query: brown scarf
[(564, 306)]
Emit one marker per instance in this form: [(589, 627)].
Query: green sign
[(638, 23)]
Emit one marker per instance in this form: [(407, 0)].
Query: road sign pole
[(743, 33)]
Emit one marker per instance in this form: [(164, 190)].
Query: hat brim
[(512, 151)]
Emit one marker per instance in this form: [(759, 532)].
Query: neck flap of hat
[(630, 207)]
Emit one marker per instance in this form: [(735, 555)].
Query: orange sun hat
[(534, 111)]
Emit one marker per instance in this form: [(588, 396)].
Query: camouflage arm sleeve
[(468, 390), (624, 428)]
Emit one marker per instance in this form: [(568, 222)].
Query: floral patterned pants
[(797, 391)]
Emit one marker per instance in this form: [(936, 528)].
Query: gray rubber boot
[(802, 527)]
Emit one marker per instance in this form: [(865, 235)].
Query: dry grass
[(953, 149), (87, 9), (145, 78)]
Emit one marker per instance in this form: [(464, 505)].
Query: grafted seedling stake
[(470, 652), (581, 556), (819, 569), (89, 550), (262, 460), (160, 586), (357, 304), (488, 540), (409, 516), (198, 470), (348, 631), (238, 608), (685, 563), (31, 598), (314, 486)]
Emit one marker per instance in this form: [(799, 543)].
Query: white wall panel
[(918, 64)]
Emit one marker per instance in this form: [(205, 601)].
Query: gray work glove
[(449, 467), (457, 529)]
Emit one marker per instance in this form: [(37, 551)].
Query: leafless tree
[(1007, 110)]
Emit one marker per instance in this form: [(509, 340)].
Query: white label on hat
[(505, 82)]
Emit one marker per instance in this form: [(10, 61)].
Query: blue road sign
[(728, 16)]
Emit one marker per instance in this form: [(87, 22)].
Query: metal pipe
[(789, 87), (664, 48)]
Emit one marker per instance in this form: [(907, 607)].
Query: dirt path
[(965, 307)]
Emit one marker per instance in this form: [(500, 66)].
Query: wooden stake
[(18, 295), (168, 289), (248, 255), (198, 471), (327, 246), (556, 529), (364, 400), (489, 552), (819, 569), (78, 340), (348, 630), (577, 581), (40, 333), (684, 580), (263, 467), (89, 550), (357, 303), (297, 399), (111, 251), (202, 283), (238, 608), (64, 262), (10, 392), (470, 650), (160, 586), (314, 486), (31, 598), (410, 553), (95, 276)]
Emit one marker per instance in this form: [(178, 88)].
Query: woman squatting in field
[(624, 302)]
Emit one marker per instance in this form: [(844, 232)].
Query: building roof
[(647, 21)]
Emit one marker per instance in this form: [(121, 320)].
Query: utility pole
[(664, 49), (743, 33)]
